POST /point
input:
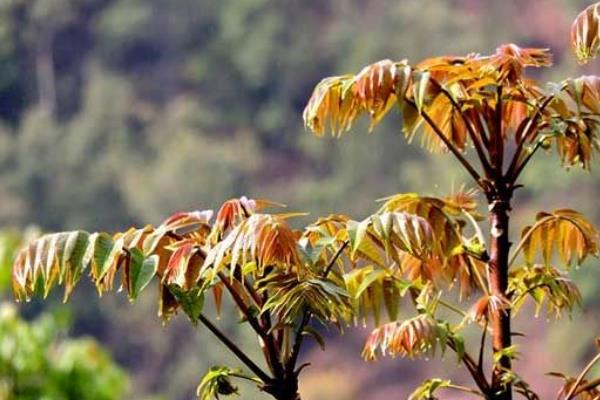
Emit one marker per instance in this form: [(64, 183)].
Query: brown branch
[(466, 389), (523, 138), (271, 350), (581, 376), (474, 174), (331, 263), (499, 139), (235, 350), (522, 166), (588, 386), (482, 347), (472, 134), (469, 363)]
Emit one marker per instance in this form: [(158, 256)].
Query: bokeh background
[(120, 112)]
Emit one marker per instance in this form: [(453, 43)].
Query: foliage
[(270, 77), (585, 34), (486, 103), (36, 362), (216, 382)]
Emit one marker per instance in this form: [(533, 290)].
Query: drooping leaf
[(487, 306), (543, 284), (574, 125), (510, 60), (183, 268), (451, 123), (381, 85), (414, 337), (400, 231), (217, 382), (427, 389), (289, 297), (106, 254), (191, 301), (372, 289), (234, 211), (141, 271), (436, 212), (585, 34), (333, 105), (51, 259), (564, 232), (338, 101), (262, 238)]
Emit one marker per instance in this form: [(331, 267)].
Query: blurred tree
[(37, 363)]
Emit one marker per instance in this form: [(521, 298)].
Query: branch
[(307, 314), (499, 139), (331, 263), (526, 133), (478, 376), (581, 376), (235, 349), (271, 353), (453, 308), (482, 346), (466, 389), (453, 149), (472, 134), (588, 386), (522, 166)]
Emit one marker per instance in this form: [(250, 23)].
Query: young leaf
[(585, 34), (289, 296), (191, 301), (141, 271), (427, 389), (544, 284), (414, 337), (565, 232), (217, 382)]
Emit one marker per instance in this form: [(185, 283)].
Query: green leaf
[(75, 259), (141, 271), (217, 382), (356, 233), (106, 254), (191, 301), (427, 389)]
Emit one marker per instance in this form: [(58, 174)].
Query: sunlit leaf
[(290, 296), (427, 389), (585, 33), (563, 232), (217, 382), (141, 271), (543, 284), (418, 336), (338, 101)]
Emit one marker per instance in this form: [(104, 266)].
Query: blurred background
[(116, 113)]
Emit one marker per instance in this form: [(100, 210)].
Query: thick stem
[(285, 389), (498, 268), (288, 396)]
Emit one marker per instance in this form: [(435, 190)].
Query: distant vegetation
[(115, 113)]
